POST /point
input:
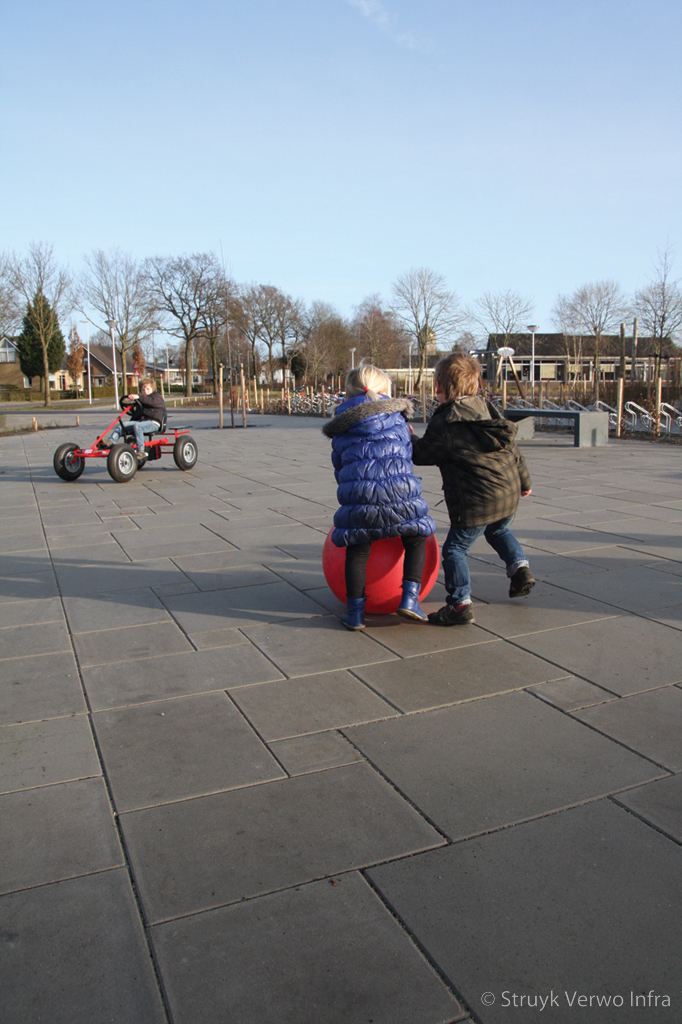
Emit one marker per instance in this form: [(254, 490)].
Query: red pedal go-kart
[(122, 460)]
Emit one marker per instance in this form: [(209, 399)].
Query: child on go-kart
[(147, 412)]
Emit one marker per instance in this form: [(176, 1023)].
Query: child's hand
[(524, 494), (410, 426)]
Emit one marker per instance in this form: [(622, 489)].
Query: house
[(11, 375), (566, 358)]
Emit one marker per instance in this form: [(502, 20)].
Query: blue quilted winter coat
[(377, 490)]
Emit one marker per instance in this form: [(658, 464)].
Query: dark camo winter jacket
[(483, 471)]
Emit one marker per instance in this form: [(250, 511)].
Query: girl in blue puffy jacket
[(377, 490)]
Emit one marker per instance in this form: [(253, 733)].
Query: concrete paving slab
[(29, 586), (310, 704), (176, 675), (451, 676), (571, 693), (23, 562), (176, 749), (671, 616), (247, 535), (409, 639), (649, 723), (540, 760), (78, 580), (231, 578), (625, 654), (546, 607), (659, 803), (210, 568), (56, 832), (171, 589), (109, 611), (302, 647), (101, 554), (345, 959), (170, 541), (12, 540), (241, 606), (219, 849), (29, 611), (74, 953), (38, 687), (635, 589), (42, 753), (304, 574), (595, 889), (314, 753), (38, 638), (559, 538), (128, 643), (209, 638)]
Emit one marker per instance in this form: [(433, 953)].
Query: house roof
[(102, 354), (564, 345)]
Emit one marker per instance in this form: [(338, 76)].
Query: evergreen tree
[(41, 344)]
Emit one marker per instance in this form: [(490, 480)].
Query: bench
[(590, 429)]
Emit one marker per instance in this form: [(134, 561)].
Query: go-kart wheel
[(185, 452), (67, 465), (122, 463)]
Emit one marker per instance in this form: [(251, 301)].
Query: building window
[(8, 353)]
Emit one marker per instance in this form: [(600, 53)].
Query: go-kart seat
[(128, 431)]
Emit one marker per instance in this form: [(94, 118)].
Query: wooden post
[(633, 368), (619, 403), (261, 401), (78, 421), (516, 378), (622, 353), (288, 403), (657, 428), (423, 398), (504, 394), (324, 403), (220, 395), (243, 393)]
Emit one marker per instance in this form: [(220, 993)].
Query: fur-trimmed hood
[(386, 406)]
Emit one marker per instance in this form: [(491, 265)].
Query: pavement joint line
[(248, 721), (614, 739), (372, 689), (645, 821), (50, 785), (468, 1012), (66, 878), (551, 629)]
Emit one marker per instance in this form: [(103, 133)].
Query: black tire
[(122, 463), (185, 452), (65, 465)]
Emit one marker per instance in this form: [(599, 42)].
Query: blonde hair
[(369, 379), (148, 380), (458, 375)]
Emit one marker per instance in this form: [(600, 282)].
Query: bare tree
[(501, 313), (427, 310), (213, 321), (599, 306), (327, 341), (659, 305), (45, 287), (113, 286), (378, 335), (569, 321), (278, 317), (181, 290), (246, 311), (10, 310)]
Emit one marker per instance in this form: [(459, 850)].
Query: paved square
[(216, 803)]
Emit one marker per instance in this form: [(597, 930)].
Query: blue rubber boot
[(409, 606), (355, 616)]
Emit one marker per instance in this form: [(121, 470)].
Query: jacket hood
[(383, 406), (486, 423)]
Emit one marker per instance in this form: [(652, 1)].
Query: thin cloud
[(374, 11)]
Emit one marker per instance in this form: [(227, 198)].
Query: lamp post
[(111, 324), (352, 359), (532, 328), (87, 347)]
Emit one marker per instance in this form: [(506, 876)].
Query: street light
[(111, 324), (532, 328), (87, 345), (352, 359)]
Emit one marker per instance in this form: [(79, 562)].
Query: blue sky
[(330, 145)]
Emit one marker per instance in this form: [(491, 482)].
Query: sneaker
[(522, 582), (452, 615), (105, 445), (142, 455)]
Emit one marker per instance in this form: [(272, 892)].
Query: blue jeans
[(141, 427), (456, 549)]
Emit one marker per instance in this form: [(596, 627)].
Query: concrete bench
[(590, 429)]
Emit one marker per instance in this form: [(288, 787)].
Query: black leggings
[(356, 564)]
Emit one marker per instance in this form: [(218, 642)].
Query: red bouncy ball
[(384, 572)]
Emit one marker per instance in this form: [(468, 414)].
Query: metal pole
[(220, 394), (241, 378), (619, 406), (110, 324), (87, 345), (633, 368), (532, 369)]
